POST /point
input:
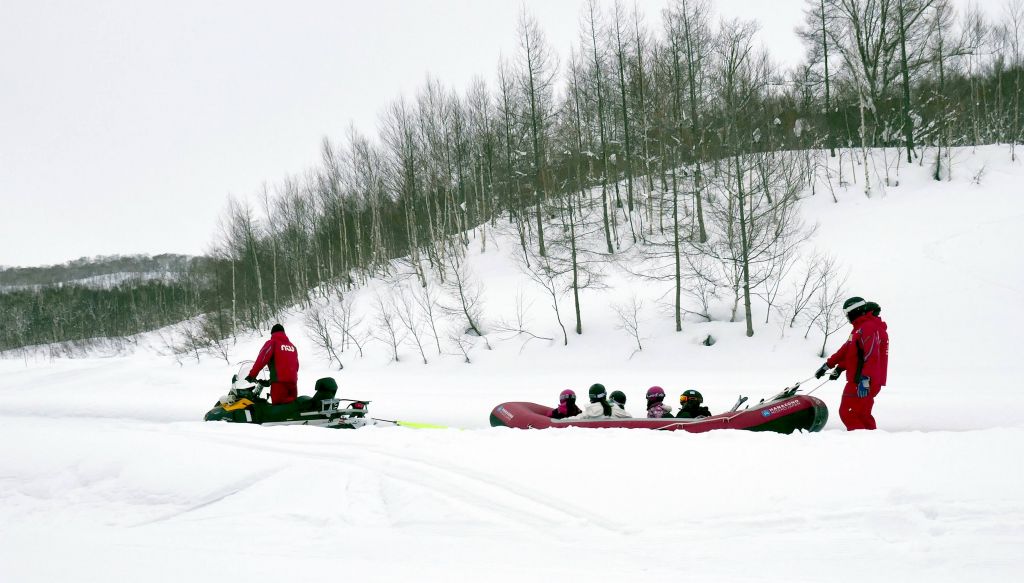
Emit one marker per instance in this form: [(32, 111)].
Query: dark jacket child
[(566, 405), (691, 405)]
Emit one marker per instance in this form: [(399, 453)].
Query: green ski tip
[(414, 425)]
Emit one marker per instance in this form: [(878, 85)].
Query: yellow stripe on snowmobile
[(239, 404)]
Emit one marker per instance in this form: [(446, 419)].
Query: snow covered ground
[(106, 474)]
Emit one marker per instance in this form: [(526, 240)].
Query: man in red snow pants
[(280, 355), (865, 358)]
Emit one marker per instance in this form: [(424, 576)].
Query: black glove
[(836, 373), (263, 383), (821, 371), (250, 379)]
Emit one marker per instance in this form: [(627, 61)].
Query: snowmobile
[(245, 404), (784, 412)]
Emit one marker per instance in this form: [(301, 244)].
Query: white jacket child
[(592, 411), (618, 403), (618, 411)]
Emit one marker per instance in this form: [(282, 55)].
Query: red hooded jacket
[(865, 353), (280, 354)]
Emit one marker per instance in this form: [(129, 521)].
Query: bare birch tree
[(537, 76)]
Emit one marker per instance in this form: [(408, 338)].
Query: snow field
[(130, 497), (107, 474)]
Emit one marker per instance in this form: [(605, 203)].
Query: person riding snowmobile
[(566, 405), (280, 356), (690, 405), (865, 358), (598, 407), (618, 403), (656, 407)]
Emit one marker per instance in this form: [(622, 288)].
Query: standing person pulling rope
[(865, 359)]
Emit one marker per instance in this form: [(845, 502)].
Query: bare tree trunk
[(864, 148), (676, 253), (641, 87), (234, 300), (695, 129), (599, 83), (620, 55), (744, 248), (573, 207), (575, 273), (908, 124), (830, 137), (535, 56)]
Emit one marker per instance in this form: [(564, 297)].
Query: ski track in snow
[(542, 517), (216, 497), (459, 484), (933, 250)]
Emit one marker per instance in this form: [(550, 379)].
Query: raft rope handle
[(817, 387)]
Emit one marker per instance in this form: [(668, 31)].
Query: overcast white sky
[(124, 125)]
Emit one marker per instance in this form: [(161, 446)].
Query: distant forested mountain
[(103, 297), (100, 271)]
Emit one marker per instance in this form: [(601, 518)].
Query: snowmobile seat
[(326, 388), (306, 403), (283, 412)]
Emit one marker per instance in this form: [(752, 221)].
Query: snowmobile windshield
[(243, 370)]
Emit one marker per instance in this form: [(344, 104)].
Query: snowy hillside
[(108, 474)]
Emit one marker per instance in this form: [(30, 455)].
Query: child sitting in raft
[(690, 405), (566, 405), (598, 407), (618, 402), (656, 407)]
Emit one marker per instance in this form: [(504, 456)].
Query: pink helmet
[(655, 393), (566, 395)]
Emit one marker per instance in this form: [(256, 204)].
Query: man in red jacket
[(280, 355), (865, 358)]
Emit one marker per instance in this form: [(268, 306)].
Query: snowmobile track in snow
[(226, 492), (532, 510)]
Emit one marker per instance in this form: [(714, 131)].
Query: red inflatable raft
[(784, 413)]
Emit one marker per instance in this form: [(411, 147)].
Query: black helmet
[(618, 397), (597, 392), (691, 397), (852, 304), (857, 306)]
